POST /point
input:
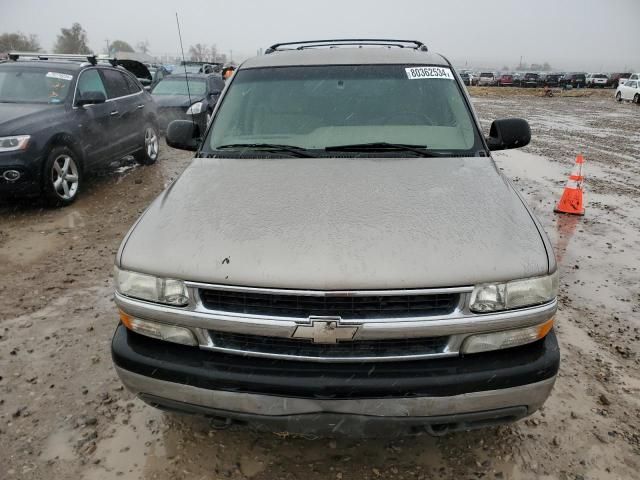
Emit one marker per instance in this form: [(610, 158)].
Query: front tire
[(150, 151), (62, 177), (618, 96)]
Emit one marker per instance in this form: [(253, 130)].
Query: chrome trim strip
[(447, 352), (329, 293), (532, 396)]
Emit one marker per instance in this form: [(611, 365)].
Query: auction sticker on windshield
[(416, 73), (60, 76)]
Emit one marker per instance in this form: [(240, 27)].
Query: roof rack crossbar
[(415, 44), (91, 58), (333, 45)]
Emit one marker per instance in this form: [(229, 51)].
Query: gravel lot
[(63, 413)]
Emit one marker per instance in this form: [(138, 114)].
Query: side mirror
[(509, 133), (184, 135), (91, 98), (216, 93)]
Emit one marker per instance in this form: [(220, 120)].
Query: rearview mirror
[(509, 133), (184, 135), (91, 98)]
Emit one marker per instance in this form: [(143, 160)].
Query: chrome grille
[(348, 307), (357, 349)]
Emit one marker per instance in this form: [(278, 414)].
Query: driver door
[(94, 121)]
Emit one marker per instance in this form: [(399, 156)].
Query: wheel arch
[(66, 140)]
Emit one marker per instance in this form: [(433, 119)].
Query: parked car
[(191, 96), (616, 79), (634, 76), (573, 80), (468, 78), (487, 79), (505, 80), (549, 79), (275, 281), (139, 69), (630, 90), (529, 80), (597, 80), (63, 115)]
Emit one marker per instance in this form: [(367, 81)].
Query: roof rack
[(91, 58), (381, 42)]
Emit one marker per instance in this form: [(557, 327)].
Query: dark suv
[(187, 97), (62, 115), (575, 80)]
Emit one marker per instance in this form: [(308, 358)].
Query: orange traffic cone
[(571, 201)]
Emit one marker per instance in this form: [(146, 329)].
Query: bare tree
[(18, 42), (143, 47), (199, 52), (72, 40), (120, 46)]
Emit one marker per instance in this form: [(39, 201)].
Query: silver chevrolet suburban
[(341, 256)]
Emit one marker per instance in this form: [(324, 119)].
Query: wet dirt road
[(63, 413)]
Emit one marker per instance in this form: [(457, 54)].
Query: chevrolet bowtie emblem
[(325, 330)]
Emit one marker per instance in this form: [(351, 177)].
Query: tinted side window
[(115, 83), (90, 81), (132, 85)]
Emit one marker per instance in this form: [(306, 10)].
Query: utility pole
[(108, 47)]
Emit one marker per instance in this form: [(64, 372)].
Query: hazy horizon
[(585, 35)]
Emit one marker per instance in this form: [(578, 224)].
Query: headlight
[(150, 288), (486, 342), (195, 109), (160, 331), (17, 142), (494, 297)]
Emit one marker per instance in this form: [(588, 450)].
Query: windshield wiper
[(270, 147), (420, 150)]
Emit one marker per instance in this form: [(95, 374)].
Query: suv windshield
[(178, 86), (33, 85), (315, 108)]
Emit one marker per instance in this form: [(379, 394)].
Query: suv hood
[(17, 118), (338, 224), (139, 69)]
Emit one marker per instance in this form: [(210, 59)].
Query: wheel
[(636, 99), (62, 177), (148, 154), (619, 96)]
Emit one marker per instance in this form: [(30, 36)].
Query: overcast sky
[(569, 34)]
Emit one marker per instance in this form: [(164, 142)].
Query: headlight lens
[(17, 142), (495, 297), (195, 109), (153, 289)]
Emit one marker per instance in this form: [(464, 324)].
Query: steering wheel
[(421, 116)]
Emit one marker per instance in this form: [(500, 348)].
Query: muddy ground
[(63, 413)]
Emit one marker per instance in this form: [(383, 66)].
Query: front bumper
[(435, 396), (28, 167)]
